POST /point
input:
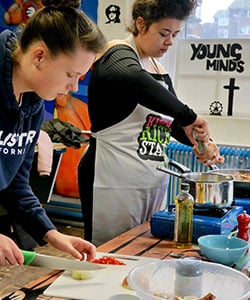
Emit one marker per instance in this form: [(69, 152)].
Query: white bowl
[(223, 282)]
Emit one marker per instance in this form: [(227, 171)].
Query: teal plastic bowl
[(222, 249)]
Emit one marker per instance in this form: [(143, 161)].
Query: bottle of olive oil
[(183, 226)]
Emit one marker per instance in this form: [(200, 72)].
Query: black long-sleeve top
[(118, 83)]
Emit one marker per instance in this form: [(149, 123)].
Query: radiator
[(235, 158)]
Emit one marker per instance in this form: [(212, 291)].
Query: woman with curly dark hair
[(57, 46), (133, 111)]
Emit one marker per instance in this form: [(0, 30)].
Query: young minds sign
[(213, 76)]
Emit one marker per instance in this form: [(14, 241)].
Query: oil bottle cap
[(185, 186)]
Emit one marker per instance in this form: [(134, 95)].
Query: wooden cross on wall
[(231, 87)]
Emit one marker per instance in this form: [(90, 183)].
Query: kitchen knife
[(32, 258)]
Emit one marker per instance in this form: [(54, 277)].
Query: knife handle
[(28, 256)]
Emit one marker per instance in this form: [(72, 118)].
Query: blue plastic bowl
[(222, 249)]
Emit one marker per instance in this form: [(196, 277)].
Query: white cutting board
[(106, 285)]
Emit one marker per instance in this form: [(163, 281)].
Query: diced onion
[(81, 275)]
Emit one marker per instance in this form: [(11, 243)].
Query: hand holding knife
[(32, 258)]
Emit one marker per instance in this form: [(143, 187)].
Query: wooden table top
[(137, 241)]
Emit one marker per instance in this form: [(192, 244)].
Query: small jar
[(189, 277)]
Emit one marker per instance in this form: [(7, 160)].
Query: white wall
[(199, 86), (201, 75), (226, 130)]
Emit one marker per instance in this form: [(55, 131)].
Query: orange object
[(21, 10), (74, 111)]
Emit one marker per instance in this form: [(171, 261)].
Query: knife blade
[(32, 258)]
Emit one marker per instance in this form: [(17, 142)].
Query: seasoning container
[(243, 226), (202, 147), (183, 225), (189, 278)]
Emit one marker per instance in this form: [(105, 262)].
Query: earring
[(36, 63)]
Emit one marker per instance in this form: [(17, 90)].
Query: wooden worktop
[(137, 241)]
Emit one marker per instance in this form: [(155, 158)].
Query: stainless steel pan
[(207, 188), (241, 179)]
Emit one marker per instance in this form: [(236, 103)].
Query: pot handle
[(185, 169), (171, 172), (179, 166)]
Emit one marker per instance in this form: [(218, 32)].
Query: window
[(215, 19)]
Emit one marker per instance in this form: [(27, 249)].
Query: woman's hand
[(198, 131), (9, 252), (210, 156), (76, 246), (200, 128)]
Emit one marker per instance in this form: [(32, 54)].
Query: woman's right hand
[(210, 156), (9, 252), (200, 127)]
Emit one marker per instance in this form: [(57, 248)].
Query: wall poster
[(113, 17), (212, 76)]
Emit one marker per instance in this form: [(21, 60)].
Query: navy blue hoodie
[(19, 130)]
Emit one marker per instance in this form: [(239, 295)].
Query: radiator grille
[(235, 158)]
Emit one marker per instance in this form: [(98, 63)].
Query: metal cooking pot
[(241, 179), (207, 188)]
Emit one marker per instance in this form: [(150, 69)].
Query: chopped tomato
[(108, 260)]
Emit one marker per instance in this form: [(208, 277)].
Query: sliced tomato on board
[(108, 260)]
